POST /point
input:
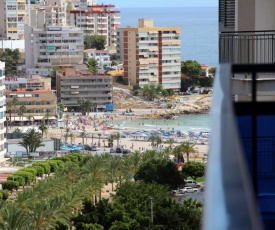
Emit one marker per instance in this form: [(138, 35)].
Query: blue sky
[(159, 3)]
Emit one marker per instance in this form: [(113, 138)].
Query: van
[(191, 183)]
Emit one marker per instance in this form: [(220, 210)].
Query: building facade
[(53, 46), (97, 20), (101, 56), (15, 14), (72, 86), (37, 102), (2, 112), (152, 55)]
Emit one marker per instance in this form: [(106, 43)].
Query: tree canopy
[(193, 169), (191, 71), (95, 41), (92, 65), (160, 171), (11, 58)]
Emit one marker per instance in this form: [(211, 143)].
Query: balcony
[(255, 47), (243, 147)]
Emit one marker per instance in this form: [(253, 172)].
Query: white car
[(174, 192), (188, 190), (94, 148)]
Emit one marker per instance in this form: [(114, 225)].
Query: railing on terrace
[(242, 47)]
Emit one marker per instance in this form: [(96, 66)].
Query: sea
[(199, 28), (199, 41), (184, 123)]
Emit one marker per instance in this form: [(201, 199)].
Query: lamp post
[(152, 211)]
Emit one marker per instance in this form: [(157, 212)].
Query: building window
[(36, 95)]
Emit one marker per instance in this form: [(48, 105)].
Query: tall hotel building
[(97, 20), (14, 16), (152, 55), (2, 113)]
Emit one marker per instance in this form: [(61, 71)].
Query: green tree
[(160, 171), (46, 117), (193, 169), (14, 105), (165, 93), (117, 137), (192, 69), (9, 107), (95, 41), (92, 65), (43, 128), (31, 141), (11, 59), (85, 105), (187, 148)]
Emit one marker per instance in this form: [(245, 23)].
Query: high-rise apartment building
[(14, 16), (97, 20), (2, 112), (152, 55), (53, 45), (49, 41)]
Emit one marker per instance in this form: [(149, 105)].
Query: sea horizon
[(199, 35)]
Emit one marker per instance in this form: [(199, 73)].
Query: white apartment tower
[(14, 16), (49, 41), (2, 112)]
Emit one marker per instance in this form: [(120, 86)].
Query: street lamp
[(152, 211)]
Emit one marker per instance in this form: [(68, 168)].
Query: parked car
[(174, 191), (112, 150), (125, 151), (191, 183), (188, 190), (94, 148), (87, 147)]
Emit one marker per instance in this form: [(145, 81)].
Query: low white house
[(102, 57)]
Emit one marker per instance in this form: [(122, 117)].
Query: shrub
[(64, 159), (45, 165), (4, 194), (59, 162), (135, 92), (54, 165), (9, 185), (31, 170), (169, 106), (28, 176), (73, 158), (20, 179), (40, 170)]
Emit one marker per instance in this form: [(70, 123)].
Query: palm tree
[(21, 111), (170, 142), (66, 135), (96, 168), (14, 104), (9, 107), (47, 116), (177, 151), (31, 141), (111, 140), (117, 138), (99, 135), (43, 129), (187, 147), (114, 165), (152, 139), (136, 158), (13, 217), (83, 135), (67, 118), (83, 104), (87, 105), (158, 141)]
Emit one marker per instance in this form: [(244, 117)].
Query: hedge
[(9, 185), (20, 179), (40, 170), (4, 194), (54, 165), (30, 169), (28, 176), (59, 162), (45, 165)]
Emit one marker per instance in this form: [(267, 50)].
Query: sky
[(159, 3)]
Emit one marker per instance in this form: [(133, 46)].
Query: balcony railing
[(243, 47), (241, 163)]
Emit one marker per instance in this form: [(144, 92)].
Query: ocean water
[(198, 122), (199, 28)]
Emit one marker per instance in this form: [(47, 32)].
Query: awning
[(19, 119), (28, 95), (52, 118), (38, 117)]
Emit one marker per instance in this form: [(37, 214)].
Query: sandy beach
[(97, 123)]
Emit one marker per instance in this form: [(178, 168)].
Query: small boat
[(174, 117)]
